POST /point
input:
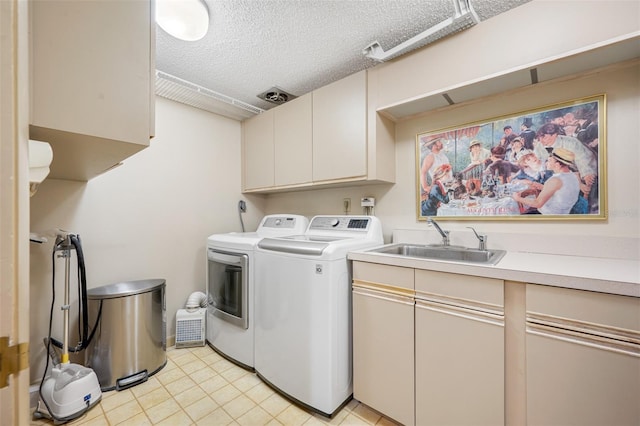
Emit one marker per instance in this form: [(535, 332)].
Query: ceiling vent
[(176, 89), (276, 95)]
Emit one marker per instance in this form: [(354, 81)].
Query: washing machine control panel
[(342, 223), (283, 222)]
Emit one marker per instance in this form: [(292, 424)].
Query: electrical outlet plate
[(368, 202), (242, 206)]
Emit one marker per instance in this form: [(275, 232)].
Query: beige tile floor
[(199, 387)]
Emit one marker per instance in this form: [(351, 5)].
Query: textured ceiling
[(298, 45)]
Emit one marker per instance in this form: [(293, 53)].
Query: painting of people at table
[(543, 163)]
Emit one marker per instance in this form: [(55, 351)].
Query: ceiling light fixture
[(463, 18), (184, 19)]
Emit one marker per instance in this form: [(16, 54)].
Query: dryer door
[(227, 286)]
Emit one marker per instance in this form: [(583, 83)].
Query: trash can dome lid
[(126, 288)]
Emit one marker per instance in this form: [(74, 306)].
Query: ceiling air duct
[(176, 89), (464, 17)]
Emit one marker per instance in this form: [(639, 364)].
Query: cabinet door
[(459, 349), (574, 380), (383, 339), (340, 129), (459, 366), (383, 353), (92, 67), (292, 142), (582, 357), (258, 151)]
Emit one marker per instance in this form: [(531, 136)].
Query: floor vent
[(190, 326)]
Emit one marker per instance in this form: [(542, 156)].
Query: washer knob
[(278, 222), (335, 222)]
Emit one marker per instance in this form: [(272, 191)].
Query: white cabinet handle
[(382, 295), (486, 317), (585, 339)]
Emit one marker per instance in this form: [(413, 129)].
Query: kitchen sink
[(441, 252)]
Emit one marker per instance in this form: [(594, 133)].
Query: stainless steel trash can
[(129, 343)]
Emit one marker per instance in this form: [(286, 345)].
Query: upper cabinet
[(292, 142), (277, 147), (92, 78), (257, 151), (340, 129), (329, 137)]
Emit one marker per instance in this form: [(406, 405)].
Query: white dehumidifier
[(190, 327)]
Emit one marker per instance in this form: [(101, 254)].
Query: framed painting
[(546, 163)]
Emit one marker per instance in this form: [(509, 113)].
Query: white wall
[(396, 204), (148, 218)]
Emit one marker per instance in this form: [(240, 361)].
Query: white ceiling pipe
[(465, 17)]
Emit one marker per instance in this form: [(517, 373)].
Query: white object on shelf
[(40, 158)]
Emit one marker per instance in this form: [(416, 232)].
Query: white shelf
[(572, 63)]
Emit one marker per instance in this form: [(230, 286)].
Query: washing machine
[(231, 282), (303, 310)]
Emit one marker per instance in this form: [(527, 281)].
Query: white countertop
[(613, 276)]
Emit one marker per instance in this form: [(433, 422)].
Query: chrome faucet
[(482, 239), (445, 234)]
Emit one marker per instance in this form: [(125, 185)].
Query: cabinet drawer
[(487, 291), (375, 273), (586, 306)]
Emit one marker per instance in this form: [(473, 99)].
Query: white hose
[(196, 300)]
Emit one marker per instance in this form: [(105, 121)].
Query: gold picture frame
[(530, 165)]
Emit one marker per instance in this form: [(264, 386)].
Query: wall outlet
[(242, 206), (346, 205), (368, 202)]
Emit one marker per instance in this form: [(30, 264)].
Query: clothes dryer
[(231, 282), (303, 310)]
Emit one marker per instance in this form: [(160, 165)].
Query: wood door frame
[(14, 199)]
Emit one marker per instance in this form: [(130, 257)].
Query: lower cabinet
[(429, 349), (459, 335), (582, 358), (383, 340)]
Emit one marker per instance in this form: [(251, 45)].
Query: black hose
[(82, 278), (75, 240), (95, 325), (83, 307)]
